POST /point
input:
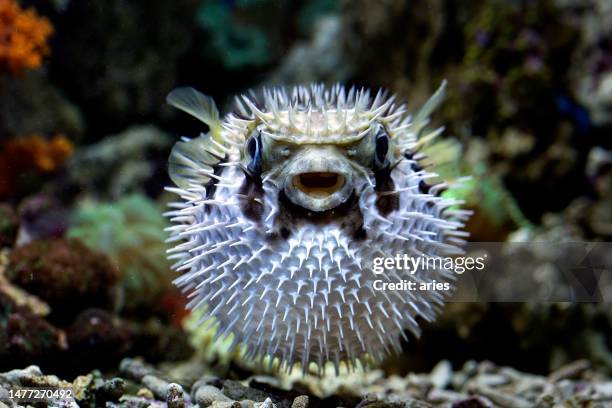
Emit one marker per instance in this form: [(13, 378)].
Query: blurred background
[(85, 134)]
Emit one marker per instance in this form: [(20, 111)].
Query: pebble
[(473, 402), (440, 396), (483, 385), (492, 380), (441, 374), (135, 369), (502, 399), (175, 396), (157, 385), (301, 401), (237, 391), (145, 393), (266, 404), (206, 395), (570, 371), (16, 376)]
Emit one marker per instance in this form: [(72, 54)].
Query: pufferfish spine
[(285, 203)]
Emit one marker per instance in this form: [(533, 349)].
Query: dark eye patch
[(381, 148)]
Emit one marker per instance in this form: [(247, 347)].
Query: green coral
[(131, 232), (483, 190), (312, 10), (238, 45)]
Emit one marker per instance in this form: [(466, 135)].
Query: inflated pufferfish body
[(284, 205)]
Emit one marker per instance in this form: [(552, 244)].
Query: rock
[(20, 377), (224, 404), (235, 390), (438, 396), (157, 385), (25, 336), (441, 374), (135, 369), (145, 393), (175, 396), (98, 339), (112, 389), (502, 399), (267, 403), (472, 402), (205, 395), (492, 380), (135, 402), (64, 273), (94, 390), (570, 371), (300, 401)]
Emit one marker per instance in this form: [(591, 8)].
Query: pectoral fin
[(192, 160)]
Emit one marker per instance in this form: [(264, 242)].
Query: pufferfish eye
[(253, 149), (381, 148)]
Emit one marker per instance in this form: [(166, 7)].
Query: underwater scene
[(324, 203)]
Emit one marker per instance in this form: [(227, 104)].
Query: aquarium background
[(85, 134)]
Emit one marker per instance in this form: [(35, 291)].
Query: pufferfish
[(284, 204)]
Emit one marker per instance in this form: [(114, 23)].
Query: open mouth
[(319, 184)]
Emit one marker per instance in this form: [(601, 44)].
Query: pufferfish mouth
[(319, 184), (319, 190), (318, 179)]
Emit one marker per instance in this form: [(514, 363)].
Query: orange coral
[(34, 153), (23, 37)]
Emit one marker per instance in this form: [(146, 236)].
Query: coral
[(9, 225), (25, 336), (41, 216), (33, 104), (120, 164), (98, 337), (496, 213), (130, 232), (507, 66), (320, 59), (32, 155), (65, 273), (239, 45), (591, 69), (160, 342), (23, 38)]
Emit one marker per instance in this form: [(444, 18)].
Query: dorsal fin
[(422, 117)]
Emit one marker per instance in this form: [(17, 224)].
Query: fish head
[(319, 172)]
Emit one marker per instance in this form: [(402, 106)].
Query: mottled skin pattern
[(284, 205)]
